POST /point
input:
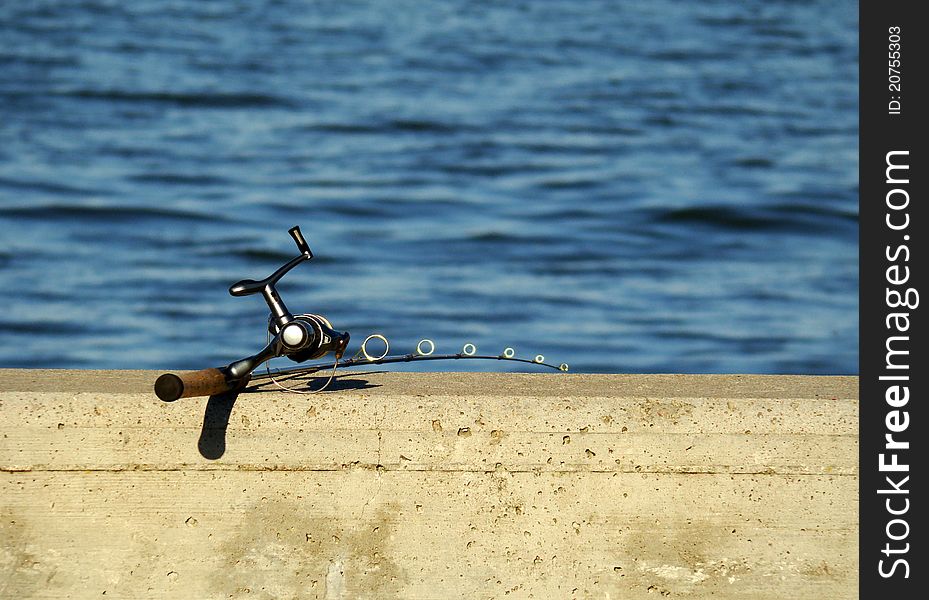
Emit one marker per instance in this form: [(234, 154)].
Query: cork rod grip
[(170, 387)]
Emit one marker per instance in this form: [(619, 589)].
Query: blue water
[(645, 186)]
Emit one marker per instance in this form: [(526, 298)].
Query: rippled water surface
[(627, 187)]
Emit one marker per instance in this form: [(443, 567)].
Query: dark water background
[(644, 186)]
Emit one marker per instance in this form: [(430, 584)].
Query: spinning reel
[(299, 338)]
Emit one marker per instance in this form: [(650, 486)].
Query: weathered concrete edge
[(504, 384)]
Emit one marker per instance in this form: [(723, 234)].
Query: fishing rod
[(301, 338)]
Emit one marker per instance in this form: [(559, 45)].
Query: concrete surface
[(442, 485)]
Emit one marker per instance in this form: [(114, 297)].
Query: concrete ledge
[(431, 485)]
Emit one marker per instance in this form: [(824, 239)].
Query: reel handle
[(281, 316), (300, 241)]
